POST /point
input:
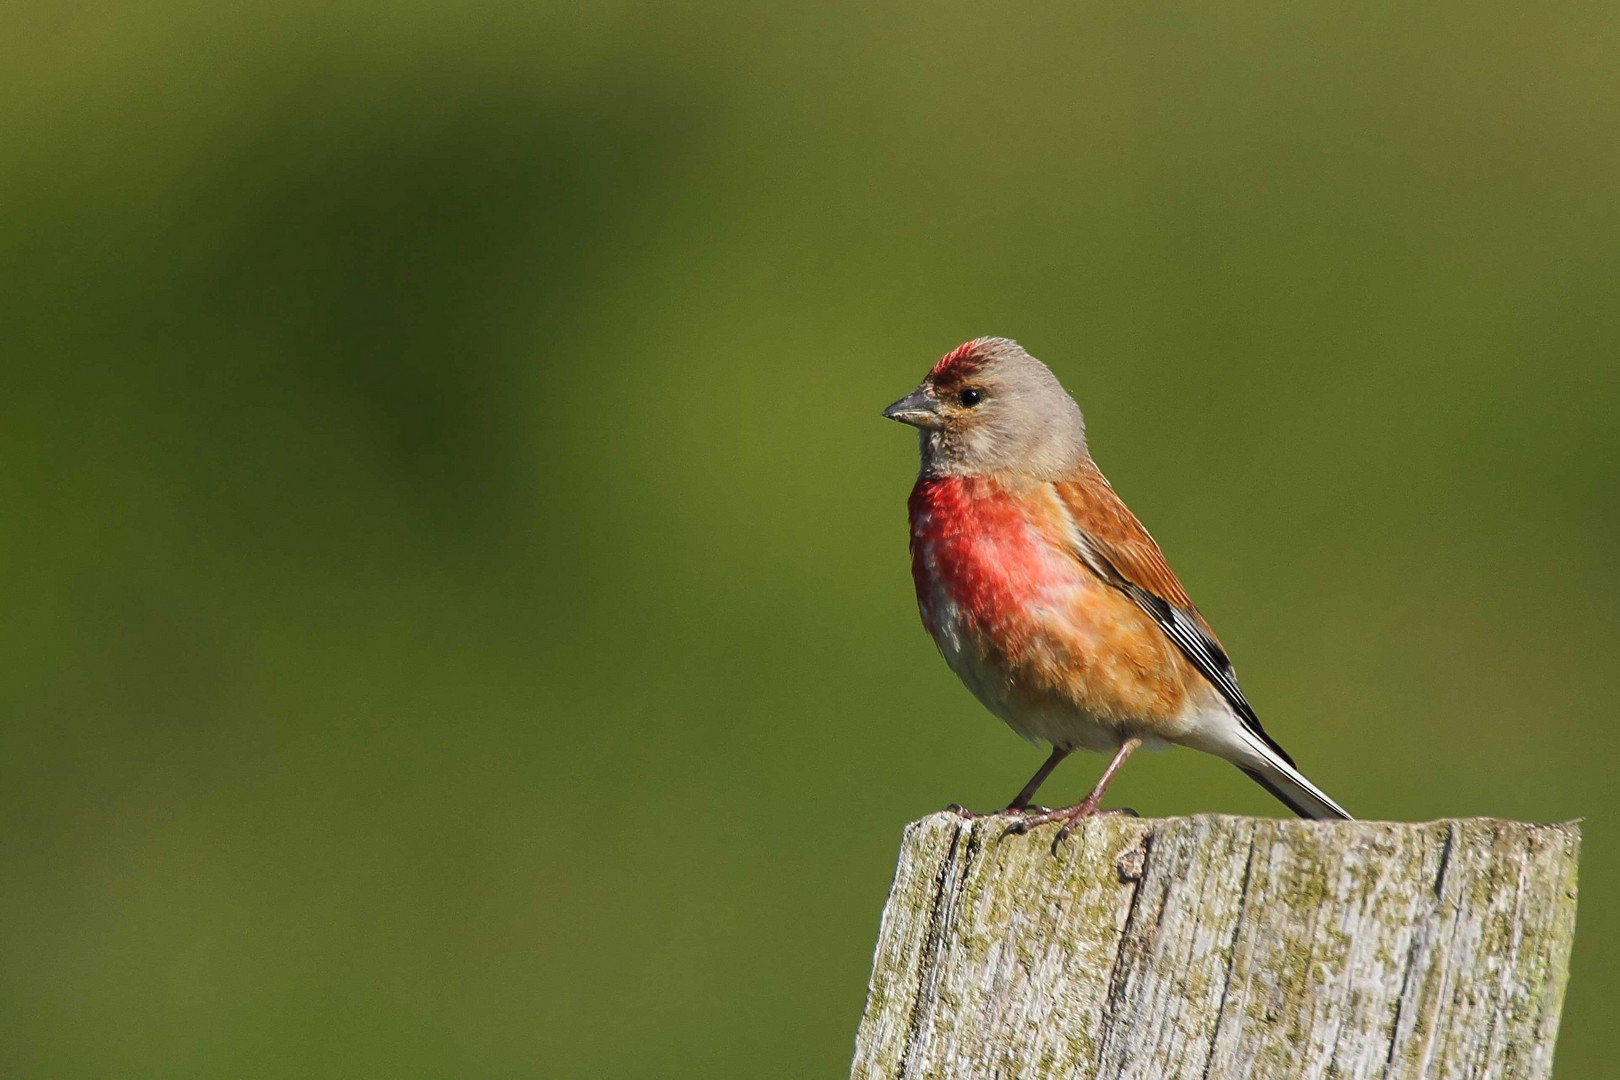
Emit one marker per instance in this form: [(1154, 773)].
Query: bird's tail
[(1268, 765), (1277, 775)]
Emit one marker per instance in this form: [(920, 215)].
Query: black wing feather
[(1204, 652)]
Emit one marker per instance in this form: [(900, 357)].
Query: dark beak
[(918, 408)]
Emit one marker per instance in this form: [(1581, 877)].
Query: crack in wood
[(928, 964), (1117, 973), (1445, 862), (1400, 1000), (1231, 955)]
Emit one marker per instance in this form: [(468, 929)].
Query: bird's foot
[(1070, 816)]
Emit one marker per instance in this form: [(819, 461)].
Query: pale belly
[(1038, 717), (1069, 662)]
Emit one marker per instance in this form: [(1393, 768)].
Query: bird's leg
[(1020, 801), (1086, 807)]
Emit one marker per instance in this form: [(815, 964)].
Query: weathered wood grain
[(1222, 947)]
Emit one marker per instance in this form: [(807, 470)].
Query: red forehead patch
[(960, 362)]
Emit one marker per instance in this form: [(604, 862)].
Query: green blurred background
[(457, 619)]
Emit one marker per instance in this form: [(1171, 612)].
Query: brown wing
[(1109, 540), (1116, 534)]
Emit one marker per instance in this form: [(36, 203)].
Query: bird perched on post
[(1049, 599)]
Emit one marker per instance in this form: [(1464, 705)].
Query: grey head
[(988, 407)]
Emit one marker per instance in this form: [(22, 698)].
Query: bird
[(1050, 601)]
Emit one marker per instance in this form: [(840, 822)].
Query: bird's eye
[(970, 397)]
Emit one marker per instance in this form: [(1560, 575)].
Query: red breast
[(973, 541), (995, 581)]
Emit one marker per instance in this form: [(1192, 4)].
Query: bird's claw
[(1070, 817), (1012, 811), (1020, 827)]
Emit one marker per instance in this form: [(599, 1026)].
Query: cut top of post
[(1222, 947)]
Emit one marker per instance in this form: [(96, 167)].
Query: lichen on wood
[(1222, 947)]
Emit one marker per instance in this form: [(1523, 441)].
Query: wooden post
[(1222, 948)]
